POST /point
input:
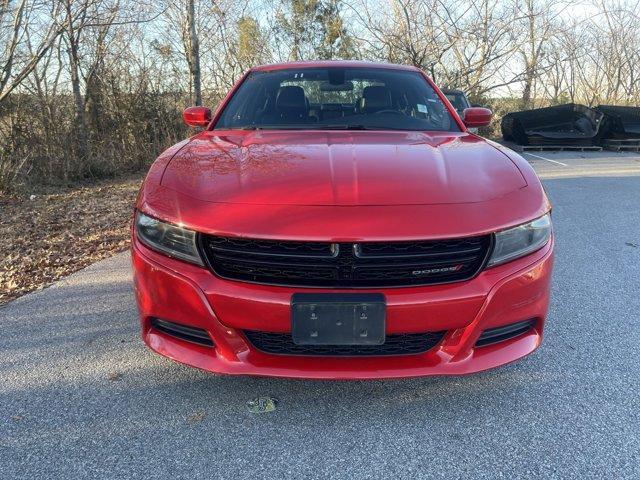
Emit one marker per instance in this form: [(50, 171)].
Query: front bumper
[(186, 294)]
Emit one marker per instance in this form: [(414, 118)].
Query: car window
[(334, 98), (458, 100)]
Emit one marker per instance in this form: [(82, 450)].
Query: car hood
[(341, 168)]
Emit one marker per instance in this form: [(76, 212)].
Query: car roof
[(334, 63)]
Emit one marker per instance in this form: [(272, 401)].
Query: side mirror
[(477, 117), (197, 116)]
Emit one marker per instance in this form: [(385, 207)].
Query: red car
[(337, 220)]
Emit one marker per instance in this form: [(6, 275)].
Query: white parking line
[(547, 159)]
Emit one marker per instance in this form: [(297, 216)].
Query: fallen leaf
[(196, 417), (61, 231), (262, 405)]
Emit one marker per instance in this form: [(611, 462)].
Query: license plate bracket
[(338, 318)]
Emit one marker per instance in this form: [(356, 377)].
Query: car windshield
[(336, 98)]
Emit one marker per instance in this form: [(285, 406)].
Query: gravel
[(81, 397)]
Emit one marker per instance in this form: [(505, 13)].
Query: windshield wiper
[(273, 127), (345, 127), (309, 126)]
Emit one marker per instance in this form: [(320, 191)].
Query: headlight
[(169, 239), (521, 240)]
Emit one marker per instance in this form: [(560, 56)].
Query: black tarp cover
[(620, 122), (569, 124)]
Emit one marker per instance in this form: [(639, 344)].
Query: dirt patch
[(46, 236)]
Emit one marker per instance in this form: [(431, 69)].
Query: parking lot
[(567, 164), (81, 397)]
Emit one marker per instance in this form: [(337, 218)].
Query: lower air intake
[(183, 332), (401, 344), (500, 334)]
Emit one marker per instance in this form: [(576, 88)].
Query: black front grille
[(346, 265), (184, 332), (400, 344)]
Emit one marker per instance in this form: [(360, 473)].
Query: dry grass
[(54, 234)]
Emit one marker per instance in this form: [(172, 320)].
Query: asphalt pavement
[(567, 164), (82, 397)]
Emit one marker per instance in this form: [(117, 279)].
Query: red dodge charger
[(337, 220)]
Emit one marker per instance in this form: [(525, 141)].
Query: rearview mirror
[(342, 87), (477, 117), (197, 116)]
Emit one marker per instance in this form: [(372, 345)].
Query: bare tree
[(312, 29), (97, 76), (540, 28), (181, 43), (464, 44), (16, 60), (193, 57), (76, 15)]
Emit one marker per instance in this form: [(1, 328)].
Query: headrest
[(291, 98), (375, 98)]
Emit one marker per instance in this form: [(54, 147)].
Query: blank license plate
[(338, 318)]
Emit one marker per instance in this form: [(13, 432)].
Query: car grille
[(345, 265), (400, 344)]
